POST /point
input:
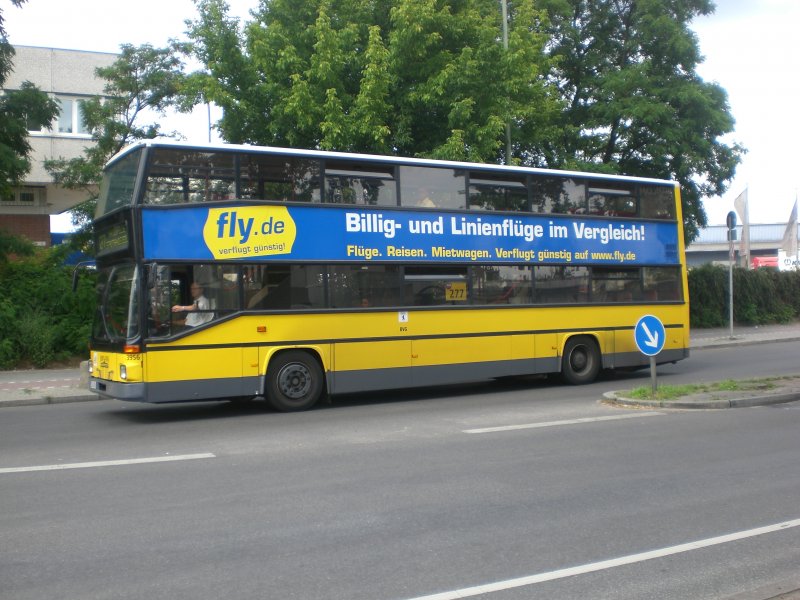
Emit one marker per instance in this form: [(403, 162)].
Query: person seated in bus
[(424, 199), (199, 310)]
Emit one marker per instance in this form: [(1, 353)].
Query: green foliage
[(8, 351), (627, 72), (761, 296), (708, 296), (36, 336), (41, 319), (11, 244), (405, 77), (142, 81), (677, 392), (20, 110), (585, 84)]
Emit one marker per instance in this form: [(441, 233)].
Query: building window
[(71, 117), (24, 197)]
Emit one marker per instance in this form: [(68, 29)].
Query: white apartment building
[(69, 77)]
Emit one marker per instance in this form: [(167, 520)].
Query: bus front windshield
[(117, 316)]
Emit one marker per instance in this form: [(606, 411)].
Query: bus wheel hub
[(294, 380)]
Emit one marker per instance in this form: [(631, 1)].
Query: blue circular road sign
[(650, 335)]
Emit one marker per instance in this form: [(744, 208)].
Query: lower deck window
[(431, 286), (561, 285), (229, 288), (365, 286), (501, 284)]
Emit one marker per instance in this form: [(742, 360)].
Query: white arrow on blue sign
[(650, 335)]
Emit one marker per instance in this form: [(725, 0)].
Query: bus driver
[(199, 309)]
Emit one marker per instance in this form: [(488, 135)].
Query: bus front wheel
[(581, 361), (294, 381)]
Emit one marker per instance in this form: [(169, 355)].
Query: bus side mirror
[(75, 273)]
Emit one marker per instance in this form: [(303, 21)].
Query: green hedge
[(760, 296), (41, 320)]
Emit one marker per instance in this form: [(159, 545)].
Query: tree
[(600, 85), (634, 103), (144, 81), (404, 77), (21, 110), (13, 244)]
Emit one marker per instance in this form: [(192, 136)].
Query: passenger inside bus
[(424, 199)]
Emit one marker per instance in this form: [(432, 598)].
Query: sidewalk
[(45, 386), (764, 334), (23, 388)]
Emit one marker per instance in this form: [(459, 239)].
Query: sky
[(750, 50)]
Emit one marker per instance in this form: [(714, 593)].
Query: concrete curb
[(732, 343), (40, 400), (615, 397)]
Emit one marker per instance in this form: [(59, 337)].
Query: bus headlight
[(123, 372), (91, 366)]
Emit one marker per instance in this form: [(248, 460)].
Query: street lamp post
[(504, 12)]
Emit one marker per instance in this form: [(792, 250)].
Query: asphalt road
[(532, 487)]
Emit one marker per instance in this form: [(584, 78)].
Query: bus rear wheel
[(294, 381), (581, 361)]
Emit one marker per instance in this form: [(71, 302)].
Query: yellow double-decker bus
[(236, 271)]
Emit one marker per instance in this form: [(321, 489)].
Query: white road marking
[(565, 422), (607, 564), (108, 463)]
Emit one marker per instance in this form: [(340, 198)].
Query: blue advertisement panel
[(347, 233)]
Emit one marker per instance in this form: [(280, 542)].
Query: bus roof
[(397, 160)]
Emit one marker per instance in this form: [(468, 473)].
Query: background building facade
[(712, 246), (69, 77)]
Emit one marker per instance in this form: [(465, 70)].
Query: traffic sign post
[(731, 222), (650, 336)]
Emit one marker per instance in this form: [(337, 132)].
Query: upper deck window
[(612, 198), (283, 178), (348, 182), (489, 191), (559, 195), (119, 180), (657, 202), (192, 175), (427, 187), (179, 176)]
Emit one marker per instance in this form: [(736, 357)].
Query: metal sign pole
[(653, 381), (731, 222), (730, 291)]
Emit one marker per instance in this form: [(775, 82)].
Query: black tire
[(581, 361), (294, 381)]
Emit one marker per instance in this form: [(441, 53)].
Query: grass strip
[(675, 392)]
